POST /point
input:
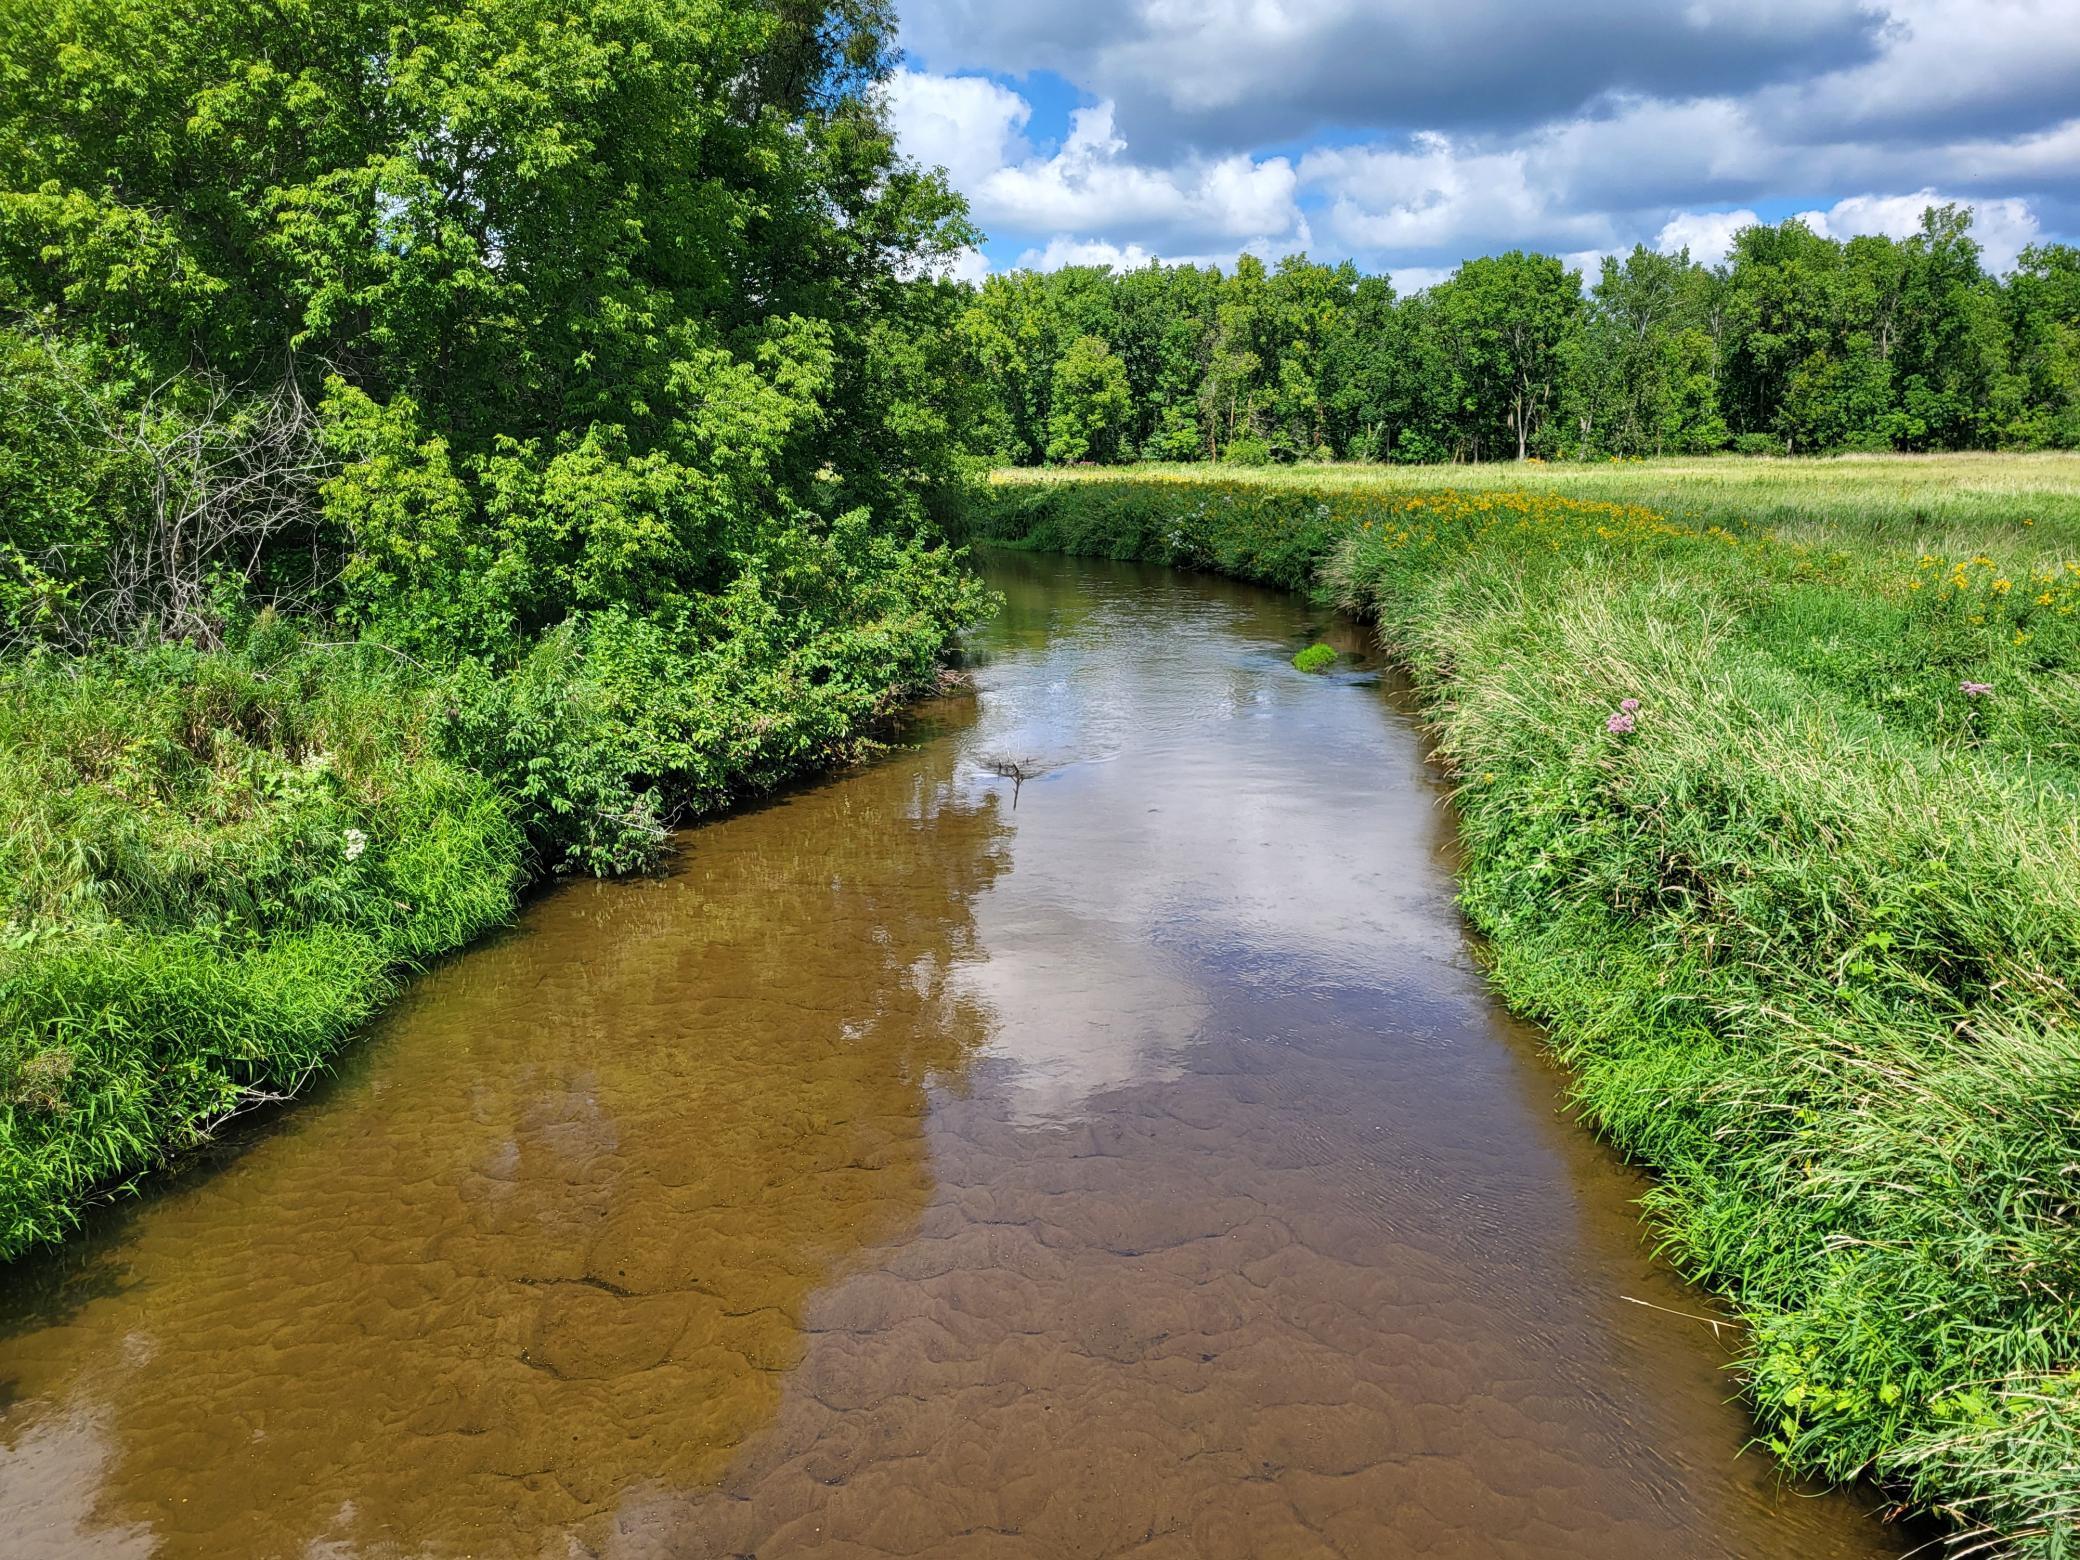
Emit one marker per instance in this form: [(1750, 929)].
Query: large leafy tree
[(1091, 403), (1510, 319), (590, 290), (1645, 381), (1951, 359), (1781, 315), (2043, 303)]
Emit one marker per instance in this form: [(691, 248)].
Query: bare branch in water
[(1004, 769)]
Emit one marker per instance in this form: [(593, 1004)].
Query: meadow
[(2030, 499), (1768, 777)]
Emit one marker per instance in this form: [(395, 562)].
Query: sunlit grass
[(212, 869), (1974, 499)]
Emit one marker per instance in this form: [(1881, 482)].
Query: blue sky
[(1409, 135)]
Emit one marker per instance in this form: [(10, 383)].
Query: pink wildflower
[(1619, 725), (1976, 690), (1628, 705)]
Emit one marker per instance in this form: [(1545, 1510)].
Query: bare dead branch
[(228, 482)]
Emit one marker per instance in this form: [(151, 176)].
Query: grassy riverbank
[(1803, 919), (215, 865)]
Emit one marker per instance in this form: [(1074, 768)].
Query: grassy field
[(1975, 499), (1768, 775)]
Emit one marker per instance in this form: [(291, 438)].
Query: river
[(1124, 1159)]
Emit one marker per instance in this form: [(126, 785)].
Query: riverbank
[(892, 1121), (216, 865), (1771, 827)]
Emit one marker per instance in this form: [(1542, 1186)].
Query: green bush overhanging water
[(444, 448)]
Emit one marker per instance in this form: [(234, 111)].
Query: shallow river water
[(1124, 1161)]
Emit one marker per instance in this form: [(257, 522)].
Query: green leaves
[(1091, 404), (628, 419)]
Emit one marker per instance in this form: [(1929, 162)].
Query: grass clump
[(213, 866), (1774, 830), (1315, 658)]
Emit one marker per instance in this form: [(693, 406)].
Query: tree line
[(1798, 343)]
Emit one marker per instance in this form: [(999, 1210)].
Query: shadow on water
[(1145, 1172)]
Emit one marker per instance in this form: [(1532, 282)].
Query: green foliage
[(1507, 322), (217, 862), (1090, 404), (1800, 918), (1798, 344), (459, 445), (63, 499), (1642, 375), (589, 299), (213, 863), (1315, 658), (2043, 302)]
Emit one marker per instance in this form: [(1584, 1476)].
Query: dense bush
[(216, 863), (1774, 833), (446, 447)]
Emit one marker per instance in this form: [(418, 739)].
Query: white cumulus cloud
[(968, 125), (1708, 235), (2004, 228), (1409, 136)]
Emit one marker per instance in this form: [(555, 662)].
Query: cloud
[(1062, 251), (1233, 72), (1090, 185), (1432, 197), (969, 265), (2004, 228), (1945, 68), (968, 125), (1088, 191), (1494, 124), (1410, 279), (1708, 235)]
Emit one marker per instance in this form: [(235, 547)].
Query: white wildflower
[(357, 842)]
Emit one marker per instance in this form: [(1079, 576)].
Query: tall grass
[(215, 865), (1963, 500), (1804, 922)]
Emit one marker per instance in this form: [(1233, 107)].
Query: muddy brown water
[(1125, 1161)]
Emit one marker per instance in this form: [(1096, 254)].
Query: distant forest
[(1798, 343)]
